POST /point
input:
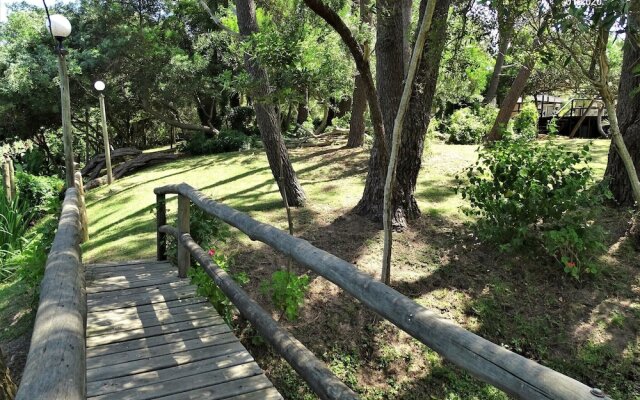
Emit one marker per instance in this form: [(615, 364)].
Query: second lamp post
[(99, 85)]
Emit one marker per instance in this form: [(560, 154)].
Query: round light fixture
[(99, 85), (60, 26)]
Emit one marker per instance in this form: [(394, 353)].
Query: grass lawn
[(588, 330)]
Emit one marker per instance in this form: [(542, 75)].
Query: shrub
[(241, 119), (15, 218), (522, 192), (469, 126), (287, 292), (226, 141), (40, 192), (525, 124)]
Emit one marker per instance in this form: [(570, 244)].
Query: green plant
[(227, 140), (287, 292), (40, 192), (30, 262), (15, 218), (469, 125), (525, 124), (523, 192), (207, 287)]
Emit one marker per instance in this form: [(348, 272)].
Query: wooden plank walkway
[(149, 336)]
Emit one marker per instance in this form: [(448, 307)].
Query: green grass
[(587, 330), (122, 220)]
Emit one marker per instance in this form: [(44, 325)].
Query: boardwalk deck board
[(150, 336)]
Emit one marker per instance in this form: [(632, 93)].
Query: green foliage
[(207, 287), (40, 192), (241, 119), (287, 292), (469, 125), (30, 263), (226, 141), (522, 192), (525, 124), (207, 230), (15, 218)]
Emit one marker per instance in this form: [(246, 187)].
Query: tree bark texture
[(503, 46), (359, 105), (357, 122), (7, 387), (266, 114), (510, 100), (628, 110), (415, 128)]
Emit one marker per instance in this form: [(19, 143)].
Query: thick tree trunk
[(413, 135), (359, 105), (266, 115), (628, 111), (303, 110), (503, 46), (7, 387), (406, 40), (357, 123), (510, 100)]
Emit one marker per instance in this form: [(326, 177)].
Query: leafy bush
[(242, 119), (525, 124), (207, 287), (287, 292), (226, 141), (30, 262), (469, 125), (15, 218), (40, 192), (522, 193)]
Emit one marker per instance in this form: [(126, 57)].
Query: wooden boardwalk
[(149, 336)]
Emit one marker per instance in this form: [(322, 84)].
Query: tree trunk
[(413, 135), (396, 139), (7, 387), (503, 46), (359, 105), (510, 100), (266, 113), (303, 109), (628, 111), (406, 40), (357, 123)]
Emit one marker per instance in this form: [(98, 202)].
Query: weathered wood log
[(142, 161), (84, 220), (98, 163), (184, 259), (55, 366), (12, 178), (6, 179), (510, 372), (317, 375), (161, 219)]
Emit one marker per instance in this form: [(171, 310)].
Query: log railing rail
[(508, 371), (55, 366)]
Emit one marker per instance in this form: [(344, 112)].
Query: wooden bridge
[(138, 330)]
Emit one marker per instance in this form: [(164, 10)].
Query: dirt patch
[(15, 352), (587, 330)]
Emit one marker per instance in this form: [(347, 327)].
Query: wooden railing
[(55, 366), (510, 372)]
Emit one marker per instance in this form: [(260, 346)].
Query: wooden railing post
[(161, 219), (184, 257), (84, 220), (6, 179)]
